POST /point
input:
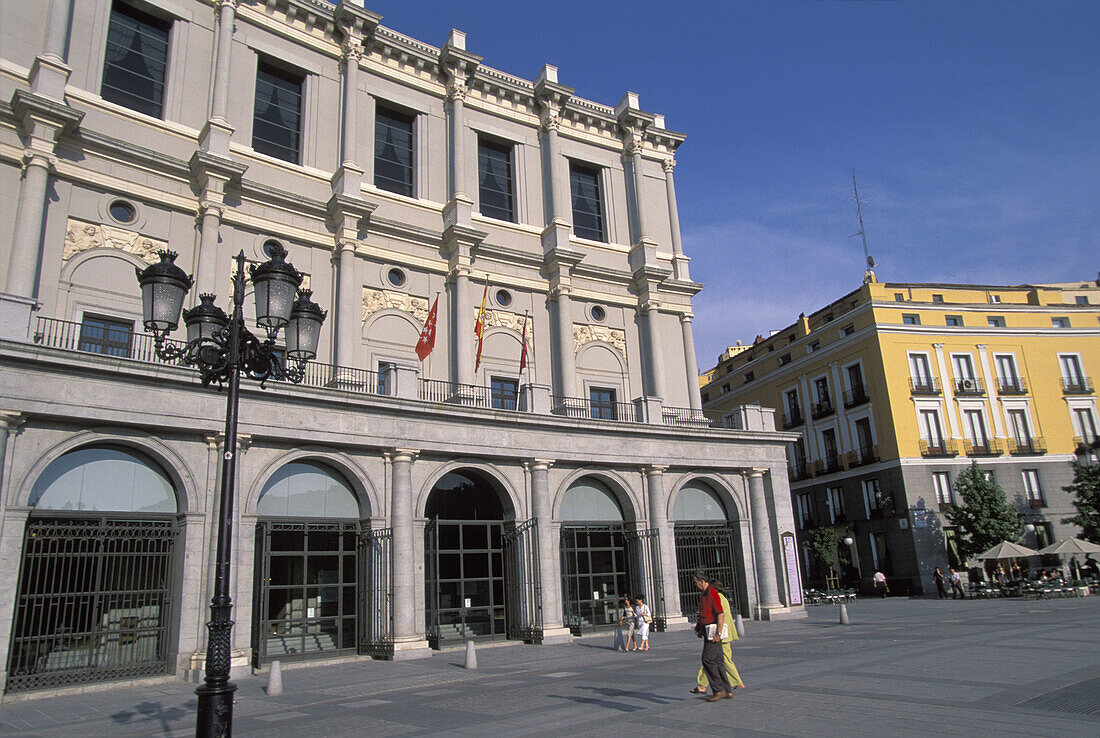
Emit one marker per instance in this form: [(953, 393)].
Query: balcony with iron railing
[(828, 465), (862, 456), (969, 386), (140, 347), (924, 386), (856, 396), (988, 447), (792, 419), (1077, 385), (1085, 444), (1036, 502), (799, 470), (1034, 446), (1011, 386), (822, 409), (945, 448)]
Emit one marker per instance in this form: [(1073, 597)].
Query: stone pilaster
[(658, 519), (679, 260), (553, 630), (763, 548), (408, 637), (690, 363)]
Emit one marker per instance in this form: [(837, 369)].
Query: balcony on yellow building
[(855, 396), (924, 386), (1011, 386), (792, 419), (946, 448), (859, 457), (969, 386), (1026, 446), (1077, 385), (828, 465), (822, 409), (990, 447), (799, 470)]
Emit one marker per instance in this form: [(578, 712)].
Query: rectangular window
[(815, 346), (1044, 535), (937, 298), (964, 367), (1086, 424), (1060, 322), (1006, 372), (954, 320), (504, 392), (910, 319), (1032, 489), (828, 440), (899, 297), (835, 500), (1071, 370), (726, 387), (494, 179), (974, 420), (383, 383), (749, 376), (1081, 300), (996, 321), (109, 336), (393, 151), (136, 60), (805, 510), (871, 493), (784, 359), (848, 330), (864, 439), (821, 389), (277, 115), (919, 369), (881, 552), (930, 428), (794, 412), (602, 400), (1021, 430), (584, 187), (951, 546), (994, 298), (941, 481)]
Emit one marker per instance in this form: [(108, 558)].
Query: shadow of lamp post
[(222, 348)]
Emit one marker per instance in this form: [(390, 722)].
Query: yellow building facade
[(896, 388)]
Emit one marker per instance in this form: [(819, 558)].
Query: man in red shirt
[(711, 614)]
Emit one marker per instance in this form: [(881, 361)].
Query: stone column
[(633, 149), (691, 363), (206, 272), (408, 638), (462, 327), (649, 310), (767, 584), (26, 243), (50, 71), (553, 630), (658, 519), (563, 323), (12, 533), (219, 103), (347, 314), (679, 261), (456, 93), (353, 53), (9, 423)]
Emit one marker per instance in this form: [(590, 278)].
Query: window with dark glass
[(602, 400), (101, 335), (494, 179), (382, 385), (393, 151), (504, 391), (584, 186), (136, 60), (277, 118)]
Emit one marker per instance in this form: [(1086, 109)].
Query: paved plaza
[(902, 667)]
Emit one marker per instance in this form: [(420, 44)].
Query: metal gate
[(523, 604), (712, 548), (305, 592), (464, 579), (95, 601), (643, 549), (594, 575), (376, 593)]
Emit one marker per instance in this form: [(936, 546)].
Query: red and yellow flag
[(479, 324), (523, 352), (427, 336)]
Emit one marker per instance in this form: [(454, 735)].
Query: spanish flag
[(479, 324)]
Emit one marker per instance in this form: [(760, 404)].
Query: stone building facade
[(384, 506)]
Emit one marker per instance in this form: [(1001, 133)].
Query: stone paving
[(901, 668)]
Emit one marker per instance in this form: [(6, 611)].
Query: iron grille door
[(95, 601), (523, 604), (431, 576), (714, 549), (376, 593), (595, 570), (644, 556)]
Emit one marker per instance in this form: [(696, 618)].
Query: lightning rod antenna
[(868, 275)]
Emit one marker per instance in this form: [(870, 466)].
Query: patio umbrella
[(1071, 547), (1006, 550)]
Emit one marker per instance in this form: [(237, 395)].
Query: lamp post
[(222, 348)]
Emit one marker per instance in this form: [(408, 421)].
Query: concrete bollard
[(739, 625), (275, 679), (471, 655), (843, 614)]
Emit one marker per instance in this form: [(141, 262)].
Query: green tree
[(1086, 491), (824, 545), (982, 515)]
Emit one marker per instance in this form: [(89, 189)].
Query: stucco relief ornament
[(351, 49), (583, 334), (81, 236), (668, 165), (457, 89), (504, 319), (375, 300)]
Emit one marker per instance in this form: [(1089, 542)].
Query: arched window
[(104, 478), (696, 502), (590, 500), (303, 489)]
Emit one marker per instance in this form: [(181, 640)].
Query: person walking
[(937, 577), (957, 592), (880, 584), (729, 634), (626, 623), (709, 627), (643, 619)]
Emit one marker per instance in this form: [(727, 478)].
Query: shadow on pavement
[(155, 712)]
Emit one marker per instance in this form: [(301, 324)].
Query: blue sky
[(973, 127)]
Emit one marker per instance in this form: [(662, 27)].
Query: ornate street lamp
[(222, 348)]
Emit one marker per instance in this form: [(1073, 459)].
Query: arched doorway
[(464, 560), (307, 565), (706, 539), (595, 567), (98, 581)]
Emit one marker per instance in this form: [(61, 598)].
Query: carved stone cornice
[(354, 21), (209, 169), (375, 300), (35, 112), (83, 236), (584, 334)]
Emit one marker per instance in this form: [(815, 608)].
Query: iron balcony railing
[(582, 407), (856, 396), (822, 409), (685, 416), (1036, 502), (1011, 386), (988, 447), (1077, 385), (828, 465), (467, 395), (969, 386), (861, 456), (924, 386), (792, 419), (1027, 446), (798, 471), (941, 448), (1084, 444)]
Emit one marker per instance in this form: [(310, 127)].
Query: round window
[(504, 298), (122, 211), (396, 277), (272, 247), (598, 313)]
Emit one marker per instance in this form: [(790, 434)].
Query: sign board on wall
[(794, 578)]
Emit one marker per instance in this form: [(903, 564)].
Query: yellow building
[(896, 388)]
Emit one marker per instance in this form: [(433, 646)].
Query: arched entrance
[(464, 560), (307, 565), (706, 539), (595, 566), (98, 590)]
